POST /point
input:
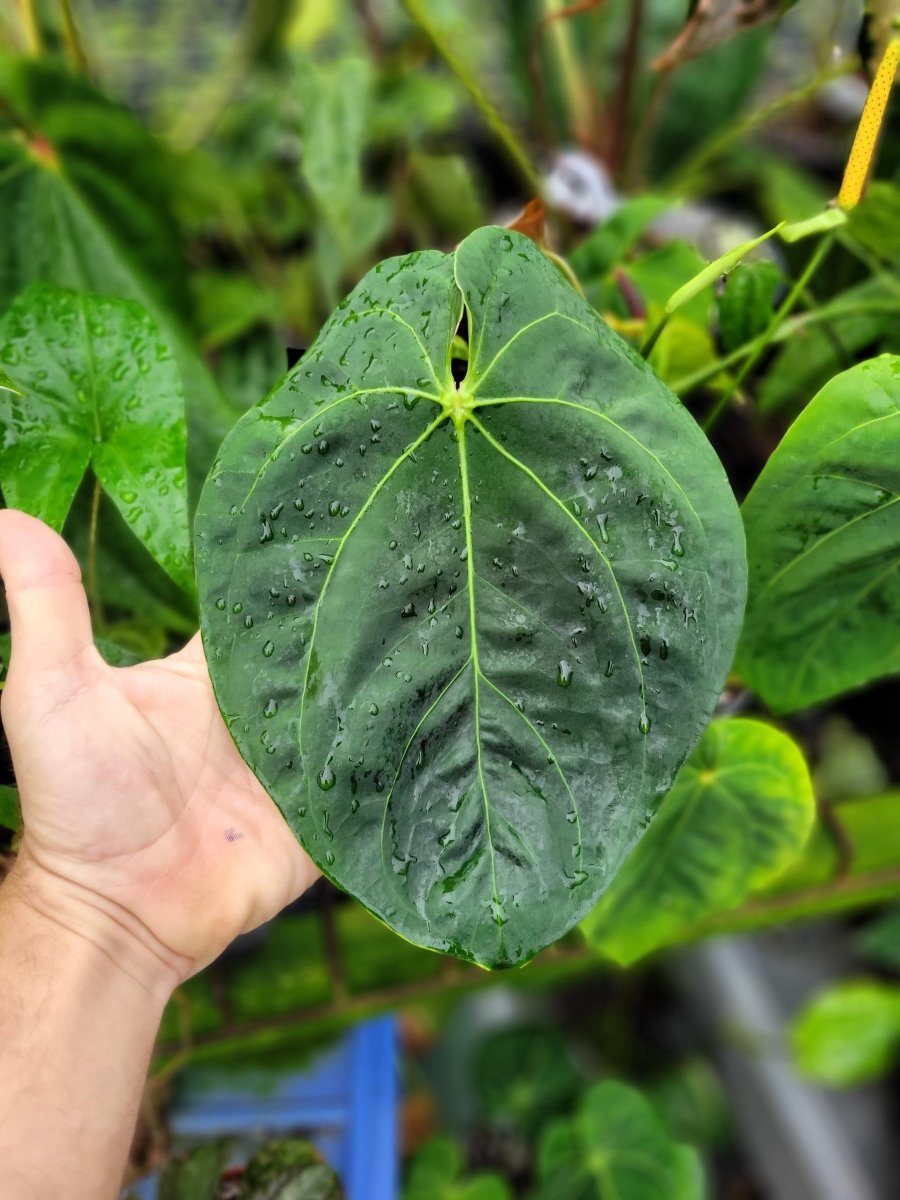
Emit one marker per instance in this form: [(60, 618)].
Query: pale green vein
[(470, 571), (820, 542), (316, 416), (858, 595), (552, 756), (412, 737), (389, 312), (877, 487), (411, 632), (862, 425), (364, 508), (600, 416), (551, 495), (523, 329)]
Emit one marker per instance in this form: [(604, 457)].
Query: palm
[(132, 788)]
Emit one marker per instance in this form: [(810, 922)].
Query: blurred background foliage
[(233, 167)]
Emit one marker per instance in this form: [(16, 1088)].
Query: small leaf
[(615, 1148), (747, 305), (823, 543), (10, 809), (850, 1033), (98, 387), (436, 1173), (492, 619), (739, 813)]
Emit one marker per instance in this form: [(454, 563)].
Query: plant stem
[(34, 42), (570, 72), (688, 382), (785, 309), (647, 349), (510, 141), (622, 105), (93, 588), (74, 46)]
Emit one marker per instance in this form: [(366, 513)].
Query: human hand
[(144, 828)]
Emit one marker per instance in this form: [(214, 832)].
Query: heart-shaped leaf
[(823, 542), (96, 385), (615, 1148), (738, 814), (465, 635)]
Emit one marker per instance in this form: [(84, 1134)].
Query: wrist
[(92, 927)]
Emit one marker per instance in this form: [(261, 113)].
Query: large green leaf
[(615, 1149), (849, 1033), (823, 544), (465, 636), (97, 386), (739, 813)]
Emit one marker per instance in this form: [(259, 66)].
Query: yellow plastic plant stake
[(863, 149)]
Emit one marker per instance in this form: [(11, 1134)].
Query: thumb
[(48, 610)]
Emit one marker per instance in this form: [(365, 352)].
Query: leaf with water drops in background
[(823, 544), (465, 635), (96, 386), (738, 814)]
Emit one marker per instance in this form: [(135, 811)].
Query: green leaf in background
[(336, 101), (466, 636), (875, 221), (10, 809), (197, 1175), (880, 939), (823, 544), (850, 1033), (524, 1076), (98, 387), (80, 183), (84, 164), (435, 1174), (615, 1148), (748, 303), (858, 321), (607, 245), (739, 813)]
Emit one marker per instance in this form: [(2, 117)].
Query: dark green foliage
[(525, 1076), (747, 305)]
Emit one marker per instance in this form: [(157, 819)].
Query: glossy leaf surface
[(465, 636), (96, 385), (739, 813), (82, 183), (823, 545), (615, 1148)]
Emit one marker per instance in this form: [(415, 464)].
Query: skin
[(148, 846)]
